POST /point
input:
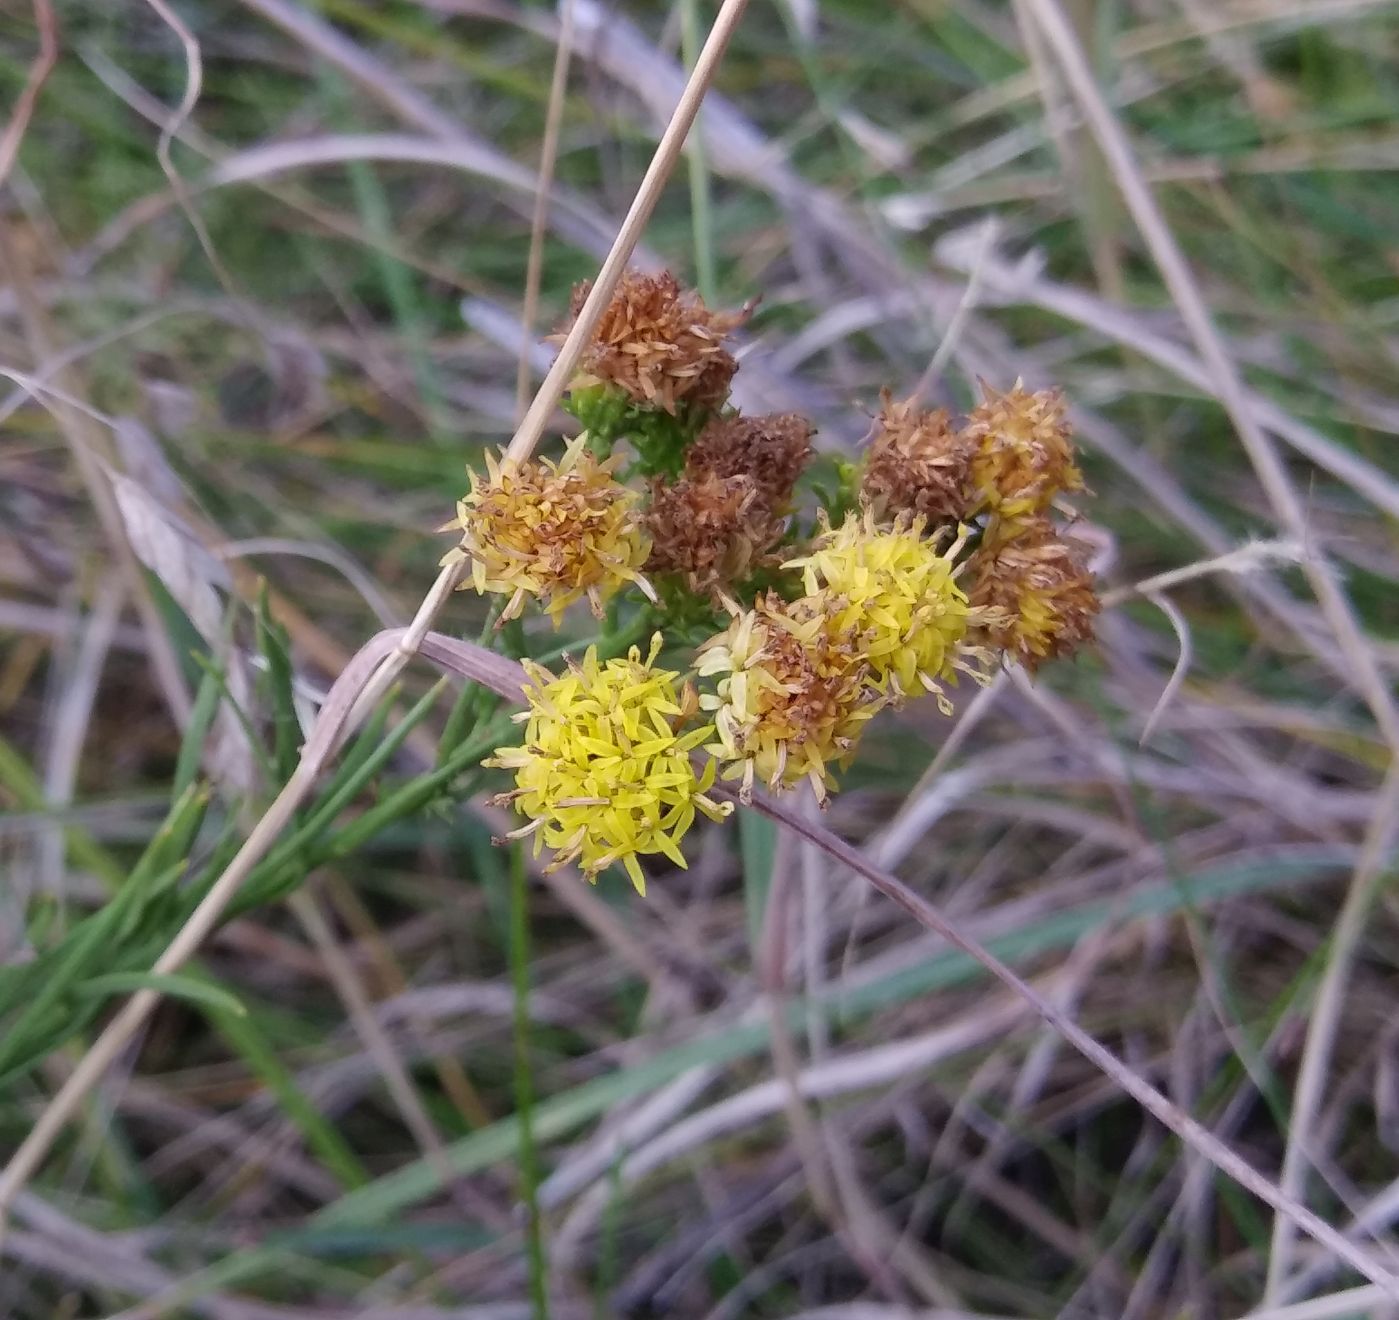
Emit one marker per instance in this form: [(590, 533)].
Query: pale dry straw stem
[(72, 716), (1058, 115), (1345, 1305), (38, 75), (1365, 671), (662, 163), (548, 157), (370, 673), (1248, 558), (771, 959), (1178, 673), (1193, 1133), (1375, 862), (961, 314)]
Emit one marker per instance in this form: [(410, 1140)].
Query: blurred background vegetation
[(241, 392)]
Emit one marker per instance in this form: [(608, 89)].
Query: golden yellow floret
[(1024, 450), (557, 531), (791, 696), (1036, 591), (604, 773), (898, 595)]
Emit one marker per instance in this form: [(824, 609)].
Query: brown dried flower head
[(919, 463), (1024, 451), (659, 343), (1037, 593), (772, 450), (556, 531), (713, 530)]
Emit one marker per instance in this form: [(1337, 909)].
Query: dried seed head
[(604, 772), (659, 344), (557, 531), (792, 693), (772, 450), (899, 595), (1036, 593), (712, 530), (1024, 450), (919, 463)]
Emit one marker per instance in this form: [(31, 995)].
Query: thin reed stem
[(548, 158)]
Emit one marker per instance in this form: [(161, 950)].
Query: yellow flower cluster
[(882, 617), (605, 774), (941, 557), (1024, 454), (898, 594), (558, 531)]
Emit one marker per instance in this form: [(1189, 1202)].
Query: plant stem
[(524, 1081), (701, 212)]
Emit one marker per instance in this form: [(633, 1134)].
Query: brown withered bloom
[(1037, 592), (919, 463), (1024, 450), (791, 697), (712, 530), (772, 450), (659, 343)]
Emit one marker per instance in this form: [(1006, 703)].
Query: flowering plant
[(936, 557)]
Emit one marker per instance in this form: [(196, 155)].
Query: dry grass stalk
[(38, 75), (1365, 669), (548, 157)]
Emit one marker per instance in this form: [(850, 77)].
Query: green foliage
[(660, 439)]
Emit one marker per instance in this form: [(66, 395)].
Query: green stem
[(524, 1081), (701, 210)]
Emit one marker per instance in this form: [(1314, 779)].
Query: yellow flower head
[(1024, 450), (1036, 593), (791, 695), (557, 531), (898, 596), (604, 773)]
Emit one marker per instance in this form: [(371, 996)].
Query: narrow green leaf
[(206, 705), (173, 985)]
